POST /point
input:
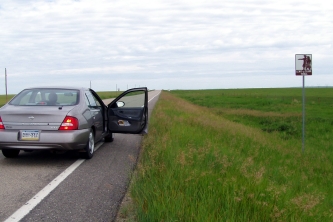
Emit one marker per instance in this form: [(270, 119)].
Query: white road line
[(33, 202), (154, 97)]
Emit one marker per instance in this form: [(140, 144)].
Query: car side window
[(97, 103), (86, 99), (92, 101), (134, 99)]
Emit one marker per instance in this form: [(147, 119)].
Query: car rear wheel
[(9, 153), (90, 147)]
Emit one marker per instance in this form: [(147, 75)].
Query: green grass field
[(109, 94), (236, 155), (3, 99)]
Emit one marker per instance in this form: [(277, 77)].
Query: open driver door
[(128, 113)]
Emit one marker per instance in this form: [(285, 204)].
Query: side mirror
[(120, 104)]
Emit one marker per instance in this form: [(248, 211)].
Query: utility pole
[(6, 83)]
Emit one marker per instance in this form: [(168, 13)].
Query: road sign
[(303, 67), (303, 64)]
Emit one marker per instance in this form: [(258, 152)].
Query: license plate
[(29, 135)]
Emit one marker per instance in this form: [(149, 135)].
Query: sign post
[(303, 67)]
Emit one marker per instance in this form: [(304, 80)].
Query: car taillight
[(1, 124), (69, 123)]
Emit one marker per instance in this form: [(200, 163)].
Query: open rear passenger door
[(128, 113)]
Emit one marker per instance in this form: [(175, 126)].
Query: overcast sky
[(170, 44)]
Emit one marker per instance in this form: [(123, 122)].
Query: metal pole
[(303, 130)]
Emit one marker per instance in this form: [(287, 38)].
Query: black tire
[(10, 153), (90, 147), (109, 138)]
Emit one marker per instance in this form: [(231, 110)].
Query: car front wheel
[(90, 147), (9, 153)]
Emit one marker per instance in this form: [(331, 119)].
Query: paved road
[(93, 192)]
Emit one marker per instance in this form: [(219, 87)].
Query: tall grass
[(199, 164), (274, 111), (109, 94), (4, 99)]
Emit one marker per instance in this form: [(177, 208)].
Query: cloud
[(163, 42)]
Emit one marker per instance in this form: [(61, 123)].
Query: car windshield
[(46, 97)]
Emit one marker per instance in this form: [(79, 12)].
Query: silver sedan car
[(68, 118)]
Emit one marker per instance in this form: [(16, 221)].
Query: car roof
[(59, 87)]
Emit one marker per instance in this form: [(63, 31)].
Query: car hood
[(33, 117)]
